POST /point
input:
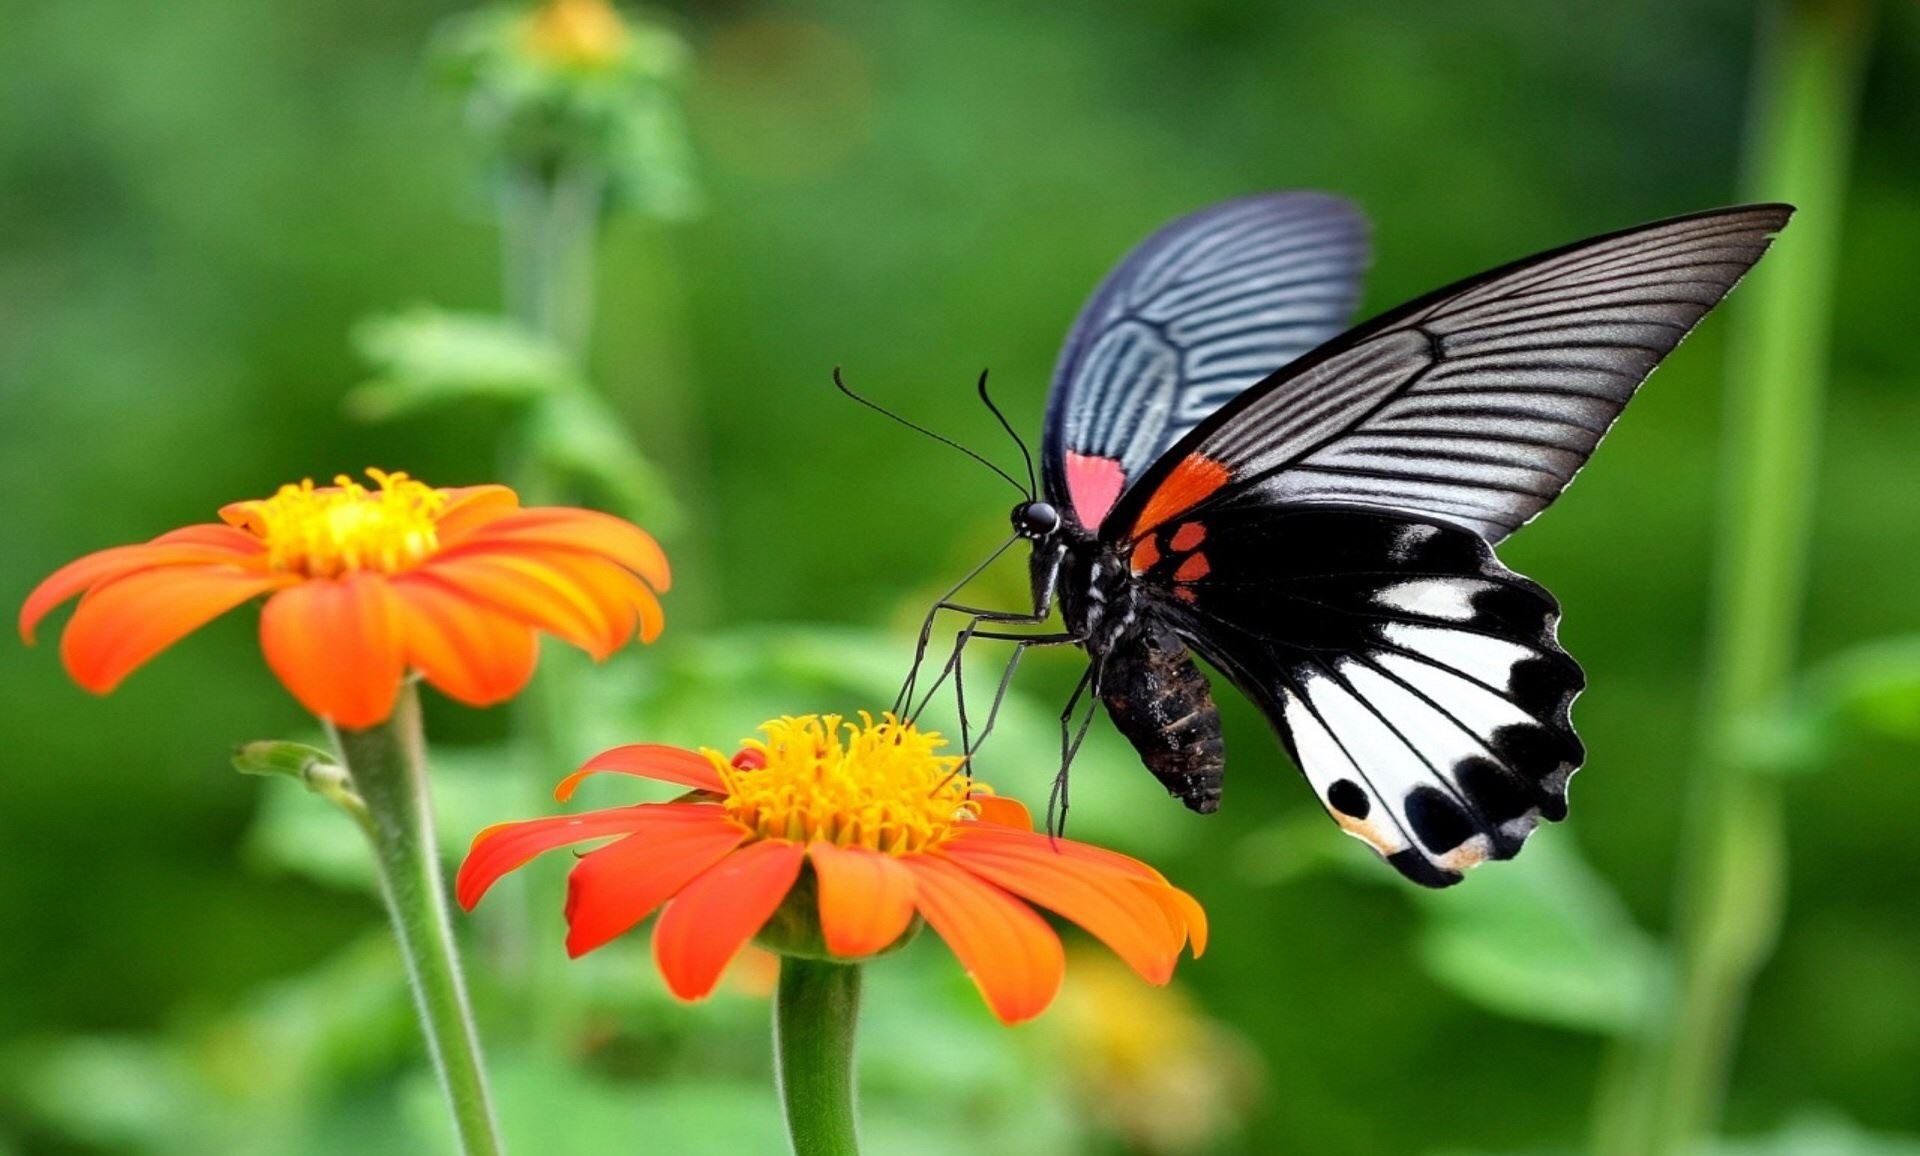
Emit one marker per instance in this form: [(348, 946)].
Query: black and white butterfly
[(1313, 512)]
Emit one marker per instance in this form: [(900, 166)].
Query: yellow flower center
[(327, 531), (880, 785), (576, 33)]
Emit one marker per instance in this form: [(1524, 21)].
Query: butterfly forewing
[(1202, 309), (1475, 404)]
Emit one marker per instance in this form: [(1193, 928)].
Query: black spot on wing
[(1544, 686), (1545, 755), (1349, 799), (1515, 611), (1438, 822)]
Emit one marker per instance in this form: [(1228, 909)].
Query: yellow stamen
[(327, 531), (576, 33), (879, 785)]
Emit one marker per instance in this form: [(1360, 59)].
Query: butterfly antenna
[(1033, 488), (876, 407)]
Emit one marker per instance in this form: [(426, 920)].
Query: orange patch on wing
[(1192, 479), (1187, 537), (1145, 555), (1193, 569), (1185, 594)]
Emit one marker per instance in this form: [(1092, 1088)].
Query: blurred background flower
[(204, 199)]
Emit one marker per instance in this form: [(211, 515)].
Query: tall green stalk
[(815, 1014), (388, 765), (1731, 888), (549, 230)]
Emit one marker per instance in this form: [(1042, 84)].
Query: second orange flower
[(365, 584)]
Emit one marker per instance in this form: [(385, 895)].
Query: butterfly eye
[(1035, 519)]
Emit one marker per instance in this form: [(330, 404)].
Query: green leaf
[(578, 436), (429, 357), (1873, 688), (1870, 691), (1543, 938), (1819, 1133), (278, 757)]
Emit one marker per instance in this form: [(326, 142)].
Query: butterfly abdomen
[(1158, 698)]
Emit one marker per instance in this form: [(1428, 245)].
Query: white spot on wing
[(1325, 762), (1490, 660), (1448, 600), (1473, 705)]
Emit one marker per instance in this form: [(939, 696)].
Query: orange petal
[(652, 618), (1003, 812), (337, 645), (122, 623), (473, 654), (866, 898), (607, 586), (616, 887), (1125, 864), (713, 917), (589, 531), (505, 846), (1108, 904), (1013, 956), (102, 566), (647, 761), (470, 507), (1183, 912), (528, 590), (215, 535)]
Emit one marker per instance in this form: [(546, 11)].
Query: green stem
[(815, 1013), (550, 228), (1731, 891), (389, 768)]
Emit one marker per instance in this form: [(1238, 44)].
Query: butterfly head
[(1036, 521)]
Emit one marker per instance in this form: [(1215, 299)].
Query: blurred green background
[(200, 201)]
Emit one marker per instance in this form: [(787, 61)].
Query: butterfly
[(1312, 511)]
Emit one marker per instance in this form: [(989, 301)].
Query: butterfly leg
[(955, 666), (977, 616), (944, 602), (1071, 738), (1021, 644)]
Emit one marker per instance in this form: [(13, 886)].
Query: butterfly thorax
[(1099, 596)]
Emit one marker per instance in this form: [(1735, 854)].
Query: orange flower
[(891, 831), (366, 584)]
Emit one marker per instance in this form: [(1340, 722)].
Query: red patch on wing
[(1145, 555), (1193, 569), (1192, 479), (1185, 594), (1093, 485), (1187, 537)]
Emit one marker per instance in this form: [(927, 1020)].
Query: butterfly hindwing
[(1475, 404), (1200, 310), (1416, 680)]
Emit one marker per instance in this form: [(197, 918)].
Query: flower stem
[(814, 1017), (389, 768), (1731, 891)]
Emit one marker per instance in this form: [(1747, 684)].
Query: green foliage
[(1546, 940), (427, 358), (1820, 1134), (1869, 692)]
